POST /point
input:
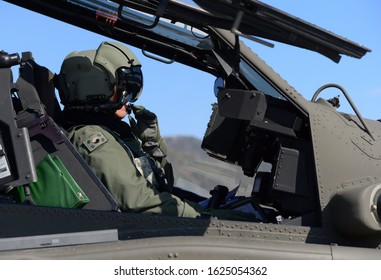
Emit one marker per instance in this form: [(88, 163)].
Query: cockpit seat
[(40, 113)]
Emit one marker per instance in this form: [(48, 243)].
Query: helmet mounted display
[(87, 78)]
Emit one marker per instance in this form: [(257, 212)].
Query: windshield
[(258, 81)]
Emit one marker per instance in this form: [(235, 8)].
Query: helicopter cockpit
[(258, 118), (252, 121)]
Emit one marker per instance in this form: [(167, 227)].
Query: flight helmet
[(89, 77)]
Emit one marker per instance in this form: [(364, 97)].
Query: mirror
[(219, 84)]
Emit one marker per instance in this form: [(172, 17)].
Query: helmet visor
[(129, 81)]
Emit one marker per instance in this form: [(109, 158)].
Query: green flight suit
[(114, 166)]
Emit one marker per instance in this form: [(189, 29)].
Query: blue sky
[(182, 96)]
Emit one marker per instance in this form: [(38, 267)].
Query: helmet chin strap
[(125, 97), (110, 106)]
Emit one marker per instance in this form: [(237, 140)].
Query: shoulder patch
[(94, 141)]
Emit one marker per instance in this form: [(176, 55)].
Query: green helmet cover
[(89, 76)]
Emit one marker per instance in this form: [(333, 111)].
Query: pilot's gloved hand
[(147, 129)]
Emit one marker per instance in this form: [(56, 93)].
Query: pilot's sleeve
[(114, 167)]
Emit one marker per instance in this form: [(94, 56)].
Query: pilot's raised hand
[(147, 130)]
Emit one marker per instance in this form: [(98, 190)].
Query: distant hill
[(195, 170)]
